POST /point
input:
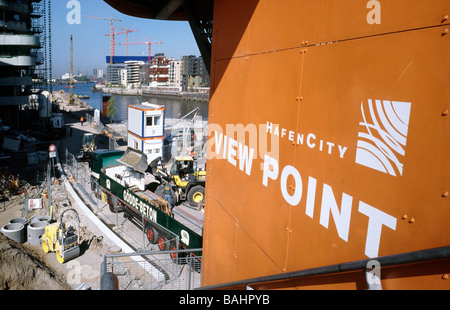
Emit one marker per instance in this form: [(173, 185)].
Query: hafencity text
[(274, 171)]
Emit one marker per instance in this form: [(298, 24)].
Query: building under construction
[(25, 60)]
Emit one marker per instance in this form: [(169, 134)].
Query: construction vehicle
[(62, 239), (87, 147), (121, 180), (188, 181), (185, 177)]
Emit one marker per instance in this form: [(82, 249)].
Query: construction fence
[(151, 270), (149, 267)]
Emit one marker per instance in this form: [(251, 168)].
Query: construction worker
[(168, 193)]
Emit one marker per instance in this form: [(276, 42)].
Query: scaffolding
[(41, 26)]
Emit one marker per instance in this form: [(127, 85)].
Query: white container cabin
[(146, 129)]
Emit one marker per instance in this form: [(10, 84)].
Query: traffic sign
[(52, 151)]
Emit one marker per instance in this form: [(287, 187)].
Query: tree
[(112, 109)]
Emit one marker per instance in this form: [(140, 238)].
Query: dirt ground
[(28, 267), (23, 267)]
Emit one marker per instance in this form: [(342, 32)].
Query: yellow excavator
[(62, 239)]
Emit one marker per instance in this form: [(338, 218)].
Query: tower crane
[(126, 31), (112, 34), (149, 46)]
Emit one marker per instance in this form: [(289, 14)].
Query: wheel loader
[(189, 181), (87, 147), (62, 239)]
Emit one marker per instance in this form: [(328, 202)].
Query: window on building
[(153, 120), (153, 151)]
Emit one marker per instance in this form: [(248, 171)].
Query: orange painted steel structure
[(309, 68), (328, 141)]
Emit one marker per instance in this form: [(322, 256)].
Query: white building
[(123, 73), (98, 73), (133, 72), (126, 74), (175, 74)]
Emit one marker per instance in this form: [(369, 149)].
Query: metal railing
[(148, 268), (154, 270), (97, 126)]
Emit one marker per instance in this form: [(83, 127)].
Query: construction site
[(105, 236), (334, 178), (57, 223)]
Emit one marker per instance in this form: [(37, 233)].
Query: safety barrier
[(146, 268), (180, 273)]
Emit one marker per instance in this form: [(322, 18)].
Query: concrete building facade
[(19, 54), (125, 74), (175, 74), (193, 73)]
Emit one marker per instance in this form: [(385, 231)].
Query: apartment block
[(193, 73), (125, 74), (175, 74), (159, 70), (20, 44)]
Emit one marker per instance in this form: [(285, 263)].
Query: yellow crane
[(71, 71)]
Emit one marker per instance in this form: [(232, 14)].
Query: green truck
[(121, 179)]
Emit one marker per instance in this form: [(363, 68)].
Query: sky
[(91, 46)]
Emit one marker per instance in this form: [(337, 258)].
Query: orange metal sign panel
[(328, 135)]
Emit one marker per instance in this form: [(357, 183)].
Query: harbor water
[(174, 108)]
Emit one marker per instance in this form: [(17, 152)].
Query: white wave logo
[(381, 146)]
